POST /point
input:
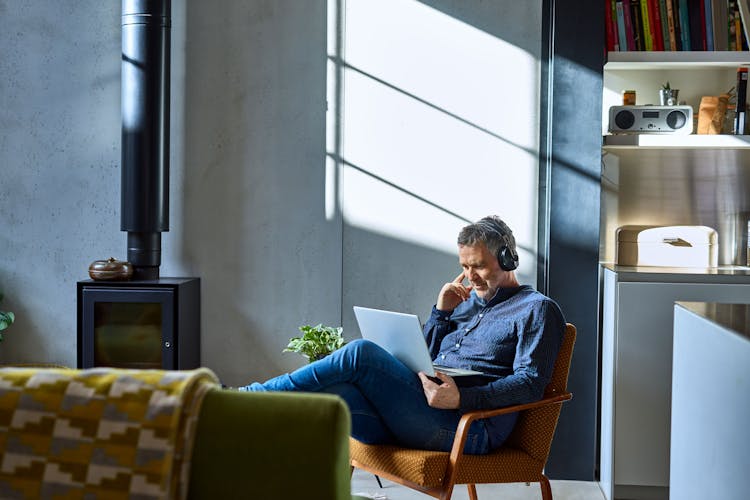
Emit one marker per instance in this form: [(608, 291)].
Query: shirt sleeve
[(536, 352), (436, 328)]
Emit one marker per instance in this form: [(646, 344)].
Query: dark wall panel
[(569, 234)]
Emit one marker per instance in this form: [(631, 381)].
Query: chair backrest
[(535, 428)]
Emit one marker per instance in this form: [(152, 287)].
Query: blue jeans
[(386, 399)]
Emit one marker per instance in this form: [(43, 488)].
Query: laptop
[(401, 335)]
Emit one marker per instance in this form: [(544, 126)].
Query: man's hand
[(452, 294), (444, 396)]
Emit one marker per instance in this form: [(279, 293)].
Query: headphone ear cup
[(508, 262)]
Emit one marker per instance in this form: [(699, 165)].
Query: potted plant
[(316, 342), (668, 95), (6, 318)]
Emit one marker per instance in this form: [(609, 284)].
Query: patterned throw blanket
[(98, 433)]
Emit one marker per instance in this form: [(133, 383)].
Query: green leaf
[(6, 319), (316, 341)]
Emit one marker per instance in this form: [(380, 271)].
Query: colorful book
[(623, 41), (654, 15), (608, 24), (630, 39), (697, 25), (720, 24), (745, 18), (684, 19), (735, 26), (648, 39), (740, 115), (614, 23), (671, 26), (635, 14), (664, 24), (709, 24)]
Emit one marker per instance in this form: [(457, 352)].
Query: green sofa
[(270, 446), (264, 446)]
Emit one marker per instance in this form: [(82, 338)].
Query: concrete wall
[(275, 231)]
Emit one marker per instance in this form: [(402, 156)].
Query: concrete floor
[(365, 484)]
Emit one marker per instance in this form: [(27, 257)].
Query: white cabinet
[(637, 319)]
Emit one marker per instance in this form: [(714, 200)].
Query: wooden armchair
[(521, 459)]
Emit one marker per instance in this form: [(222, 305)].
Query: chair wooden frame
[(553, 396)]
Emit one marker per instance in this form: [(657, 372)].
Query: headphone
[(506, 257)]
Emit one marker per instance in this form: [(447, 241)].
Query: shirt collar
[(501, 295)]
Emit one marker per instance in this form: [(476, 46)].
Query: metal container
[(110, 270)]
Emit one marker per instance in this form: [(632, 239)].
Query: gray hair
[(491, 231)]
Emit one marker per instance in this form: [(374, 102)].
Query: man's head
[(487, 253)]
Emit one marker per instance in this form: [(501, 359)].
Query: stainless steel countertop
[(721, 274), (734, 317)]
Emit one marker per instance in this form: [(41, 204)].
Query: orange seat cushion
[(427, 468)]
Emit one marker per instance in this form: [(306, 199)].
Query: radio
[(651, 120)]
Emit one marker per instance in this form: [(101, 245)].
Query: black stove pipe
[(145, 131)]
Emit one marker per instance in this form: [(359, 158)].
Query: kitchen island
[(710, 401), (637, 311)]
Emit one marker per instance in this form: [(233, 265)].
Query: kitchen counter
[(734, 318), (720, 274), (710, 403)]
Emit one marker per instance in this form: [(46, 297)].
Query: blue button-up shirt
[(513, 339)]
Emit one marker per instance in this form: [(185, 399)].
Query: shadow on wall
[(484, 16)]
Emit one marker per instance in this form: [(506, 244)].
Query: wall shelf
[(667, 141), (676, 60)]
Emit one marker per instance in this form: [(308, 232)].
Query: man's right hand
[(452, 294)]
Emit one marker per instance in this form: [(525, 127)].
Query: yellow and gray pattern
[(98, 433)]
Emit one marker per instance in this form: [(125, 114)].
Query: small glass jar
[(628, 97)]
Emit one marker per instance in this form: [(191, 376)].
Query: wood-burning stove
[(149, 322), (152, 324)]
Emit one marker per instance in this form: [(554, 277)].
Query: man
[(493, 324)]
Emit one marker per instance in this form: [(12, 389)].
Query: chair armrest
[(470, 416), (462, 430)]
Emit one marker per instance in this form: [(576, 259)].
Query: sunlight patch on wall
[(379, 208)]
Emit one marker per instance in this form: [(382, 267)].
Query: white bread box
[(670, 246)]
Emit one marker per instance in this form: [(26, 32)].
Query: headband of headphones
[(506, 256)]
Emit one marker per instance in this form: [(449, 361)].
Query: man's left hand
[(444, 396)]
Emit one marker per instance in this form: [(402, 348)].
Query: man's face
[(481, 269)]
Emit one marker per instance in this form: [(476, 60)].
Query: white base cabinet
[(636, 379)]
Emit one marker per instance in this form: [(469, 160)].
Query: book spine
[(720, 24), (655, 19), (613, 7), (737, 31), (702, 23), (671, 26), (737, 34), (744, 9), (741, 110), (635, 14), (697, 26), (628, 24), (709, 25), (648, 41), (664, 24), (609, 26), (684, 25), (621, 27)]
